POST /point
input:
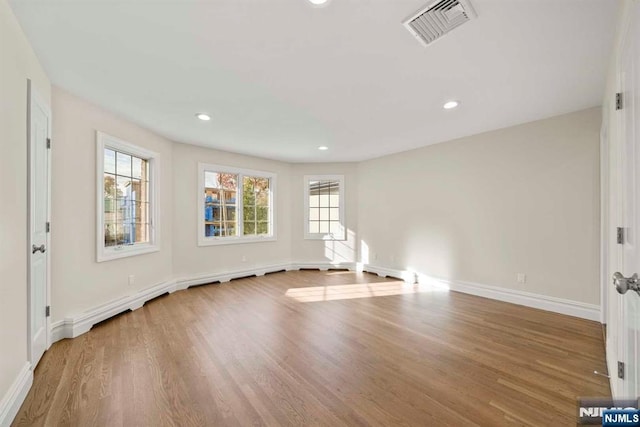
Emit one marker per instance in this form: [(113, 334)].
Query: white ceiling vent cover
[(438, 18)]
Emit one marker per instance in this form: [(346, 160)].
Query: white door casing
[(39, 132)]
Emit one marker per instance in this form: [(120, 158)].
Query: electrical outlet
[(244, 258), (132, 279), (522, 278)]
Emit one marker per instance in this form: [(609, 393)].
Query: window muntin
[(324, 207), (126, 199), (237, 205), (127, 178), (256, 206)]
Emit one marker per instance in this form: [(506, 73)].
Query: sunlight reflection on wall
[(338, 251)]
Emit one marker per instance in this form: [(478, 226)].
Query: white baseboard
[(226, 276), (323, 266), (543, 302), (528, 299), (407, 276), (13, 399), (76, 325)]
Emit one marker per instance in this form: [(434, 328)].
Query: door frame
[(33, 98)]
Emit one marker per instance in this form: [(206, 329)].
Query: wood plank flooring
[(320, 348)]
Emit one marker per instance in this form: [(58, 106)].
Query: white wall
[(78, 281), (318, 251), (481, 209), (189, 259), (17, 64)]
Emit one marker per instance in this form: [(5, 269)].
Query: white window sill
[(216, 241), (118, 252)]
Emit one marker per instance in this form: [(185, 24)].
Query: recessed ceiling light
[(450, 105), (203, 116), (318, 2), (323, 148)]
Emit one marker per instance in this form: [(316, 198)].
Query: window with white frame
[(126, 202), (324, 207), (236, 205)]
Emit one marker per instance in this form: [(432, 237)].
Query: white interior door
[(39, 163), (628, 253)]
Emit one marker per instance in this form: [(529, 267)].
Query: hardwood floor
[(316, 348)]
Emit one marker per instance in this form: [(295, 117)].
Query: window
[(324, 207), (236, 205), (126, 202)]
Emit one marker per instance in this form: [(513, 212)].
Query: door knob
[(35, 249), (623, 284)]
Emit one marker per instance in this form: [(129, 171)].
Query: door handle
[(623, 284), (35, 249)]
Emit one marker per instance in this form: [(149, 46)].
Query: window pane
[(314, 200), (262, 198), (314, 214), (123, 186), (263, 228), (262, 214), (324, 194), (212, 230), (230, 228), (334, 194), (324, 226), (123, 164), (110, 234), (249, 228), (109, 161), (324, 214), (334, 214), (249, 213), (229, 197), (231, 213), (314, 226), (211, 180), (139, 232), (137, 167)]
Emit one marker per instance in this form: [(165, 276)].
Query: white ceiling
[(281, 77)]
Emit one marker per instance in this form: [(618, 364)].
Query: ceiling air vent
[(438, 18)]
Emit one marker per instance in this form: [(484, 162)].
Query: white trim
[(103, 141), (81, 323), (76, 325), (34, 96), (239, 237), (14, 397), (528, 299), (542, 302), (325, 236), (226, 276)]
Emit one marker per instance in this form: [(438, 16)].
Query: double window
[(324, 207), (236, 205), (126, 202)]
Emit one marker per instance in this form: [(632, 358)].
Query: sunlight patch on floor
[(361, 290)]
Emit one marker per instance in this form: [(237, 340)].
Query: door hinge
[(620, 235), (48, 311), (48, 142), (48, 227), (619, 101), (621, 370)]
